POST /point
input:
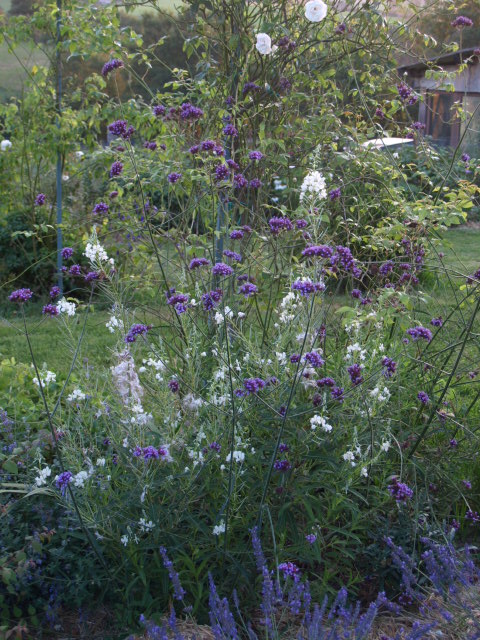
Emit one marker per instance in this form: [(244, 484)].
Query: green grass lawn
[(15, 67), (462, 253)]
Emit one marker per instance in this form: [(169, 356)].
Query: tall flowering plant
[(268, 369)]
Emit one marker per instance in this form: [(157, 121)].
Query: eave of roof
[(454, 57)]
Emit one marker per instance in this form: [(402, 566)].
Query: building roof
[(453, 57)]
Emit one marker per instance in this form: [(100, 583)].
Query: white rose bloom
[(315, 10), (264, 44)]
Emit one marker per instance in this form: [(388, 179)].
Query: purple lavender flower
[(321, 251), (230, 130), (110, 66), (420, 332), (236, 234), (116, 169), (136, 330), (63, 480), (461, 21), (40, 199), (159, 110), (195, 263), (101, 207), (232, 255), (50, 310), (423, 397), (255, 155), (222, 172), (174, 177), (248, 289), (355, 373), (400, 491), (211, 299), (290, 570), (282, 465), (20, 295), (279, 224), (222, 269), (335, 194), (178, 591)]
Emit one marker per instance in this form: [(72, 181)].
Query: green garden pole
[(59, 154)]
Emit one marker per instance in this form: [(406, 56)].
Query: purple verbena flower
[(54, 292), (282, 465), (236, 234), (63, 480), (290, 570), (40, 199), (253, 385), (255, 183), (75, 270), (222, 269), (355, 373), (461, 21), (67, 252), (389, 365), (110, 66), (211, 299), (314, 359), (100, 207), (279, 224), (122, 129), (255, 155), (436, 322), (423, 397), (195, 263), (335, 194), (20, 295), (320, 251), (232, 255), (239, 181), (311, 538), (420, 332), (230, 130), (116, 169), (222, 172), (174, 177), (136, 330), (50, 310), (248, 289), (400, 491), (159, 110)]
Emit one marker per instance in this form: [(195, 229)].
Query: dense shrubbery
[(278, 362)]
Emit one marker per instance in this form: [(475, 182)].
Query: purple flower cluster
[(335, 194), (196, 263), (248, 289), (320, 251), (462, 21), (282, 465), (400, 491), (122, 129), (100, 207), (222, 269), (437, 322), (50, 310), (222, 172), (174, 177), (67, 253), (239, 181), (174, 386), (290, 570), (314, 359), (20, 295), (406, 93), (420, 332), (136, 330), (253, 385), (306, 287), (230, 130), (355, 373), (237, 234), (116, 169), (232, 255), (423, 397), (389, 365), (279, 224), (110, 66), (189, 112), (54, 292), (211, 299), (159, 110), (255, 155), (40, 199), (345, 259), (179, 301), (151, 453), (63, 480)]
